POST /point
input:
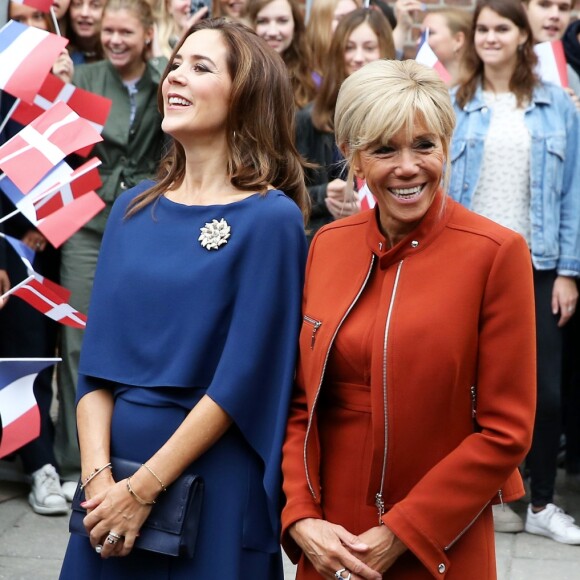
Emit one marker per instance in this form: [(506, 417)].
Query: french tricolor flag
[(552, 62), (426, 56), (26, 57), (19, 415)]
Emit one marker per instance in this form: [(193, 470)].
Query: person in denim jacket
[(514, 154)]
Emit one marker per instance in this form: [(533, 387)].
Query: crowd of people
[(235, 284)]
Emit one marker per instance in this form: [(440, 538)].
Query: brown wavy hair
[(335, 70), (524, 78), (297, 55), (259, 126)]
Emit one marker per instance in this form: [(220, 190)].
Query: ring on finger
[(339, 574), (98, 548)]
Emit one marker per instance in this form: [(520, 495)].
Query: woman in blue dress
[(189, 353)]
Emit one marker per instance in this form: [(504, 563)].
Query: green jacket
[(129, 154)]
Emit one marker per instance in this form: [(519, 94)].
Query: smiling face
[(497, 39), (124, 41), (196, 92), (85, 17), (362, 47), (275, 24), (404, 175)]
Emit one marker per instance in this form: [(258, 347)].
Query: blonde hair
[(387, 96)]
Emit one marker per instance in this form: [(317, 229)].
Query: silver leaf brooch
[(214, 234)]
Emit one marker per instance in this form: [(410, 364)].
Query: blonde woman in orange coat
[(415, 391)]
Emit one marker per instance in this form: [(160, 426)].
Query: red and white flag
[(26, 57), (19, 414), (426, 56), (365, 197), (94, 108), (552, 62), (42, 5), (34, 151), (27, 256), (39, 296), (59, 190), (60, 225)]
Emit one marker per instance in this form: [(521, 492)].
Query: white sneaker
[(68, 489), (553, 523), (506, 520), (46, 497)]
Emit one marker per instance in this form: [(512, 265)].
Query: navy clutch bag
[(172, 525)]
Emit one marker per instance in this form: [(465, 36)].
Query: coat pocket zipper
[(316, 324)]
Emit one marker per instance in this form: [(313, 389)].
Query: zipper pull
[(473, 402), (317, 325), (500, 495), (379, 502)]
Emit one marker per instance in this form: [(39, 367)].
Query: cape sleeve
[(254, 377)]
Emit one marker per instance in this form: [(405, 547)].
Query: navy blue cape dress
[(169, 322)]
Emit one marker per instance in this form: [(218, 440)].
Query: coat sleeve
[(569, 258), (471, 475), (254, 376)]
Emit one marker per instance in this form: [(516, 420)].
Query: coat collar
[(421, 237), (540, 96)]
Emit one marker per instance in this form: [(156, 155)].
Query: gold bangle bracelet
[(163, 488), (139, 499), (94, 474)]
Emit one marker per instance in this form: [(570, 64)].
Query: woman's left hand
[(114, 510), (564, 298), (384, 548)]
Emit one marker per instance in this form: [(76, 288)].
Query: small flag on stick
[(26, 57), (19, 414)]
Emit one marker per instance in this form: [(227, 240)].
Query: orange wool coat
[(454, 337)]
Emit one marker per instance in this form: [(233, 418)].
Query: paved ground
[(32, 546)]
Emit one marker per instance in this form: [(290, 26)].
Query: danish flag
[(42, 5), (34, 151), (19, 414), (94, 108), (39, 296), (26, 57)]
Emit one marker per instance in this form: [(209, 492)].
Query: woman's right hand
[(330, 547)]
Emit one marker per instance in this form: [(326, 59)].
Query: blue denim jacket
[(554, 127)]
